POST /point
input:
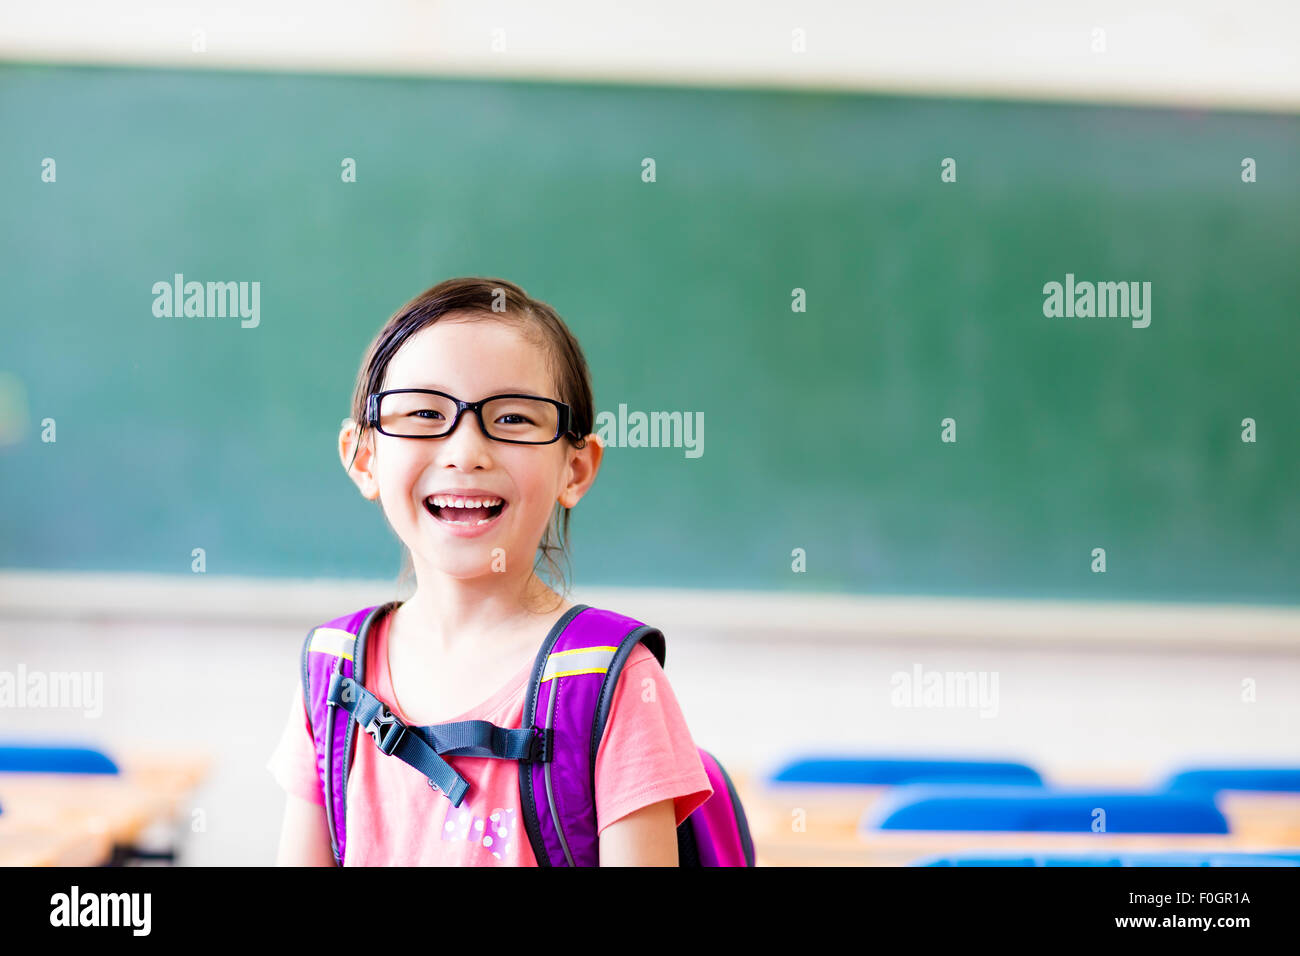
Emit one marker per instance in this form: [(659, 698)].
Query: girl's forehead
[(478, 355)]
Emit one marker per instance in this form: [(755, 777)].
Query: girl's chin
[(464, 561)]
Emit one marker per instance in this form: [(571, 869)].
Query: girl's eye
[(523, 420), (421, 413)]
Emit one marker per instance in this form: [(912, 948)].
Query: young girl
[(472, 505)]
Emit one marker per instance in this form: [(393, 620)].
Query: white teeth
[(444, 501), (450, 501)]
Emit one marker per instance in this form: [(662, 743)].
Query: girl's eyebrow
[(503, 390)]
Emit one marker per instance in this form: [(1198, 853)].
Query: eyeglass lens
[(418, 415)]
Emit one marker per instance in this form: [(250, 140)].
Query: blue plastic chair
[(21, 758), (1214, 779), (1039, 810), (894, 771)]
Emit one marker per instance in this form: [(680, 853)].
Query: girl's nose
[(465, 441)]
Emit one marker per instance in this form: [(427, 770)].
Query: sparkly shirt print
[(496, 834)]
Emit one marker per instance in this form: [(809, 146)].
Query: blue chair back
[(894, 771), (21, 758), (1041, 809), (1214, 779)]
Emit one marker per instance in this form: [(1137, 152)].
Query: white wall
[(1192, 52)]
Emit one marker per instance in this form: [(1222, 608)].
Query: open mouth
[(466, 512)]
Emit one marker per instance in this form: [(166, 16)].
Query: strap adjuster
[(543, 745), (391, 738)]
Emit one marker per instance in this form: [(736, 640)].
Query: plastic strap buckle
[(385, 729)]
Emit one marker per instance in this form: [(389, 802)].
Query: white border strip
[(775, 616)]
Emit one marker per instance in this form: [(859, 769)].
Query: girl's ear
[(583, 464), (359, 469)]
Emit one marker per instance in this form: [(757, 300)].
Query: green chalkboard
[(924, 301)]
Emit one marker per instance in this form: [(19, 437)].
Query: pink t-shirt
[(396, 819)]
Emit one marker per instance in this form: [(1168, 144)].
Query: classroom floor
[(1076, 714)]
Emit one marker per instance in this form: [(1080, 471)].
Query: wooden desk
[(77, 819), (88, 803), (31, 844), (826, 813)]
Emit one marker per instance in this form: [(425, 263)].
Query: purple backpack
[(566, 707)]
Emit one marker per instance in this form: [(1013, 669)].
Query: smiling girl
[(472, 427)]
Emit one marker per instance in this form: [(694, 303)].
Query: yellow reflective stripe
[(593, 670), (584, 650), (579, 660), (334, 641)]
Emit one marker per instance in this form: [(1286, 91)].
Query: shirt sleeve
[(647, 754), (293, 763)]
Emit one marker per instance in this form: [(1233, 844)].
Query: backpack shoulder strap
[(335, 648), (569, 694)]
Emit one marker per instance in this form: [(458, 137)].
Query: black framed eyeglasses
[(425, 413)]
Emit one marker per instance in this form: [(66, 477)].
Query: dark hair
[(475, 297)]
